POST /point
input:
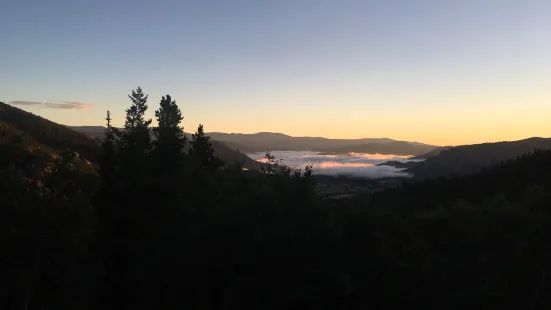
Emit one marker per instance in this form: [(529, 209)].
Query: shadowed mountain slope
[(469, 159), (47, 133)]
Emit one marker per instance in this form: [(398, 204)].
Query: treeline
[(157, 227)]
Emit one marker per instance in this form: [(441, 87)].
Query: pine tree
[(134, 144), (170, 137), (107, 168), (136, 134), (135, 114), (201, 149), (124, 219)]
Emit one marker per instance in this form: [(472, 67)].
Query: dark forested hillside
[(47, 133), (468, 159), (165, 225)]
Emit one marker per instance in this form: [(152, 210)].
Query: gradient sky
[(445, 72)]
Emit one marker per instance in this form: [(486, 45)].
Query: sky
[(445, 72)]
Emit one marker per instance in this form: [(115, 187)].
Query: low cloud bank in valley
[(353, 164)]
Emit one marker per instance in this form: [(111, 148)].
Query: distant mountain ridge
[(270, 141), (273, 141)]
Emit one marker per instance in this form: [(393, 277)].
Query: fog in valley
[(352, 164)]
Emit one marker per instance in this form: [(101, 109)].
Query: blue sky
[(436, 71)]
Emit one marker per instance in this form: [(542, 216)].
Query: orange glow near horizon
[(454, 121), (460, 118)]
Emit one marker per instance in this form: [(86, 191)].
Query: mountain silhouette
[(270, 141)]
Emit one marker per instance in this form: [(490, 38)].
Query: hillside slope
[(432, 153), (47, 133), (469, 159)]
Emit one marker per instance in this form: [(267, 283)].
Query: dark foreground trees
[(165, 228)]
